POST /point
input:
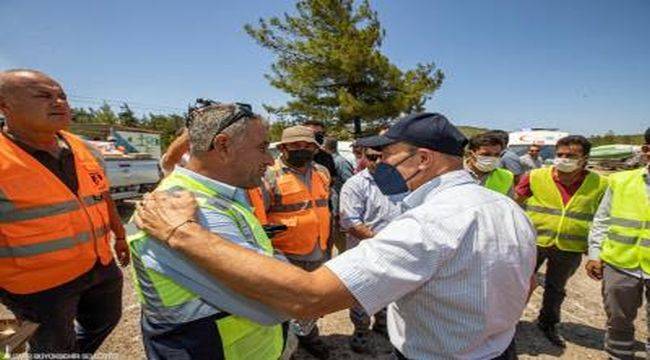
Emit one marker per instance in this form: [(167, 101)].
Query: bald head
[(10, 79), (32, 101)]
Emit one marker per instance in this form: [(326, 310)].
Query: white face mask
[(566, 165), (486, 163)]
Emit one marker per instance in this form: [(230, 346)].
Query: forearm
[(284, 287), (599, 226), (361, 232)]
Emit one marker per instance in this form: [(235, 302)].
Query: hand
[(595, 269), (122, 251), (159, 213)]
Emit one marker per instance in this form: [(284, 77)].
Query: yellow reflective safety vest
[(500, 180), (165, 302), (563, 226), (627, 244)]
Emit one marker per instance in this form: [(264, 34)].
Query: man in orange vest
[(297, 195), (56, 220)]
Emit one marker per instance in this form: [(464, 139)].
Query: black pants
[(94, 300), (509, 354), (560, 266)]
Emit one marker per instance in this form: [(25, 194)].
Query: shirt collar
[(65, 148), (226, 190), (436, 185)]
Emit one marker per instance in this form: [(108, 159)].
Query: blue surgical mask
[(389, 180)]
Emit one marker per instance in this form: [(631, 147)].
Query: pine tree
[(329, 62)]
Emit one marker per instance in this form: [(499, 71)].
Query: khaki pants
[(623, 296)]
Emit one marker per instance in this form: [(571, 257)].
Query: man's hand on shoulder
[(162, 212)]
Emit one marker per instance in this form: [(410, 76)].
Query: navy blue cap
[(428, 130)]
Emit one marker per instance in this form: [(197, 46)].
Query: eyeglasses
[(373, 157), (242, 111)]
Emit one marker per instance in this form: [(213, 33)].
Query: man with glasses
[(185, 313), (619, 254), (455, 265), (532, 160), (561, 201), (364, 212)]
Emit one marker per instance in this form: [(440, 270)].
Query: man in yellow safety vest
[(484, 163), (619, 253), (561, 201)]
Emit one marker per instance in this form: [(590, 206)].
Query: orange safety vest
[(305, 213), (48, 235), (257, 203)]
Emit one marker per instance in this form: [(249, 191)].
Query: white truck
[(131, 156), (544, 137)]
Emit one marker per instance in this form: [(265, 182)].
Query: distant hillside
[(470, 131), (617, 139)]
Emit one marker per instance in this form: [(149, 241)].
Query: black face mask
[(299, 158), (319, 137)]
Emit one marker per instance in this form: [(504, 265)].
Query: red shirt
[(566, 191)]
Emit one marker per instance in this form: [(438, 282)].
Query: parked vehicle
[(131, 157), (615, 157), (545, 138)]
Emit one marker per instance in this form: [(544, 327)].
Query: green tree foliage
[(167, 124), (611, 138), (104, 115), (329, 62), (126, 116)]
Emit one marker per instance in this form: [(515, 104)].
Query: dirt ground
[(583, 323)]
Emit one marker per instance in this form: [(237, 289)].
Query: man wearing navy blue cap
[(454, 268)]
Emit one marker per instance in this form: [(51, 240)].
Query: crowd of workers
[(437, 237)]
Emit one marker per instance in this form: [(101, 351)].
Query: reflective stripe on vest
[(49, 235), (51, 245), (167, 302), (565, 226), (627, 244), (500, 180), (304, 211), (9, 213)]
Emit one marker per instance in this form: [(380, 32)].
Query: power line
[(117, 102)]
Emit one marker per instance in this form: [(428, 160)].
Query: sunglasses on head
[(242, 111)]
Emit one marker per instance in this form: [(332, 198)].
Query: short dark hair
[(575, 140), (503, 135), (484, 139), (647, 136), (314, 122)]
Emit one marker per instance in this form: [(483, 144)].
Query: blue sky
[(580, 65)]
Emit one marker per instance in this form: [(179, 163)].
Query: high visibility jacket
[(257, 203), (500, 180), (165, 302), (49, 235), (627, 244), (304, 211), (564, 226)]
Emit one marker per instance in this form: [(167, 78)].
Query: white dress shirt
[(455, 268)]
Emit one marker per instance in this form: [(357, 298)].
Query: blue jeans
[(94, 300)]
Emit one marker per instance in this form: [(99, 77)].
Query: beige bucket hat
[(297, 133)]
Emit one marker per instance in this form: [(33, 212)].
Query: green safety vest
[(627, 244), (500, 180), (165, 301), (563, 226)]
